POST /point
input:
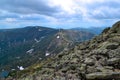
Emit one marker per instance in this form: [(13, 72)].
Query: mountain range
[(94, 30), (96, 59), (22, 47)]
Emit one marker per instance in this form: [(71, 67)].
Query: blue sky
[(59, 13)]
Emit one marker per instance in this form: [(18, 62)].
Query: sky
[(59, 13)]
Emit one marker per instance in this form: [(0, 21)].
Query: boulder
[(112, 46), (89, 61), (113, 61), (101, 75), (104, 68)]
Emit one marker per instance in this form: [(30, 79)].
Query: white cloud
[(65, 5), (60, 12), (87, 8), (10, 20)]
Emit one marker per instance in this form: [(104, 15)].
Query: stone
[(83, 67), (104, 69), (89, 61), (91, 69), (101, 75), (112, 46), (113, 61)]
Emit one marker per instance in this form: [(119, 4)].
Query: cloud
[(59, 12), (104, 10), (28, 7)]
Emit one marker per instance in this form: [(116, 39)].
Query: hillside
[(96, 59), (26, 46)]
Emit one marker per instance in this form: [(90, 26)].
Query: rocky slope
[(25, 46), (97, 59)]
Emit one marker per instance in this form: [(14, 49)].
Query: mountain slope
[(15, 43), (26, 46), (97, 59)]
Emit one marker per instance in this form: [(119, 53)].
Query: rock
[(104, 69), (82, 47), (115, 39), (83, 67), (97, 52), (113, 61), (114, 53), (89, 61), (101, 75), (60, 55), (112, 46), (91, 69), (74, 60), (109, 45)]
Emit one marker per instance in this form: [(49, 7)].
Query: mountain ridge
[(96, 59), (94, 30), (25, 46)]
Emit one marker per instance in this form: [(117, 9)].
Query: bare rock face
[(97, 59)]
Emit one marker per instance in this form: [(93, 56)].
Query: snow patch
[(47, 54), (20, 68), (30, 51), (36, 40), (58, 37)]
